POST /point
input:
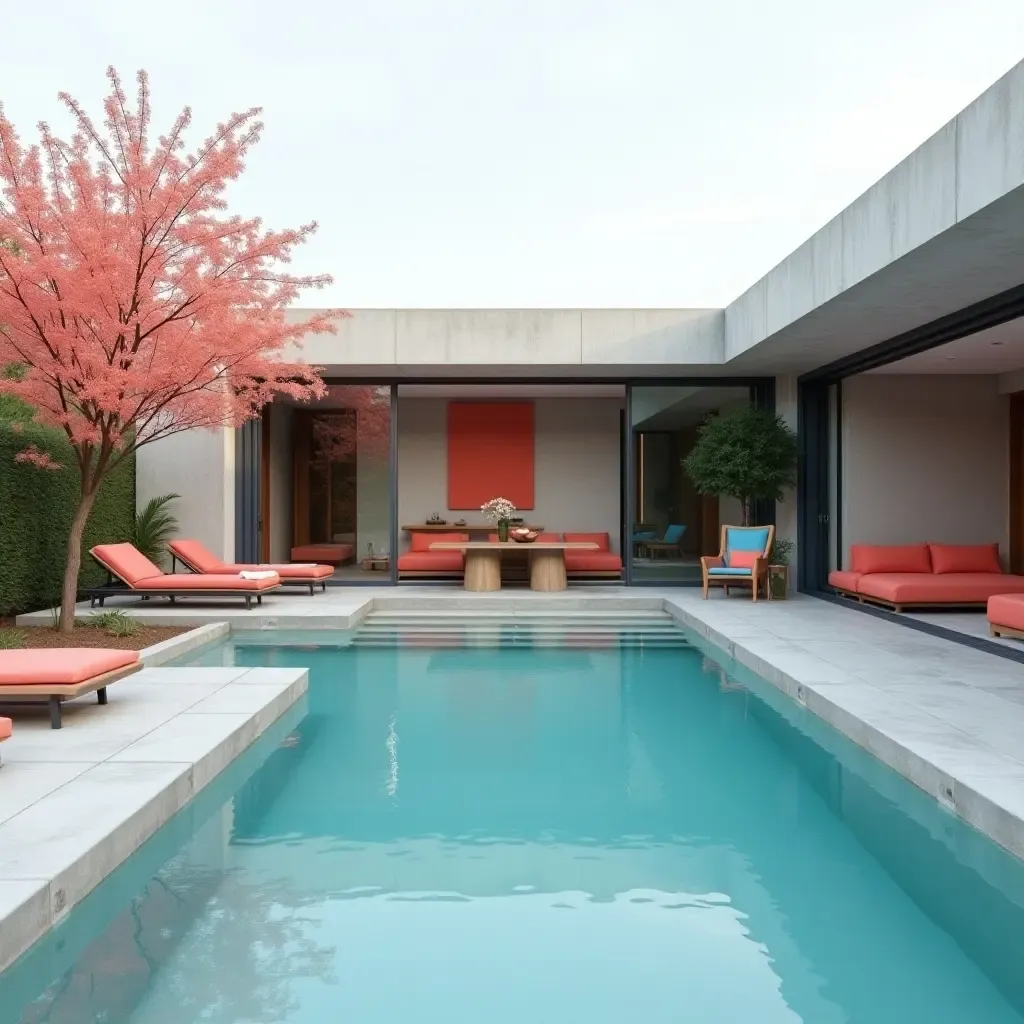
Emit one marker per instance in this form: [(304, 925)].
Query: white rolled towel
[(250, 574)]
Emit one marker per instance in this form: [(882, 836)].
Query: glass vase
[(503, 530)]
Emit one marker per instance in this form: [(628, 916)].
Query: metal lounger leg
[(101, 695), (248, 603), (55, 712)]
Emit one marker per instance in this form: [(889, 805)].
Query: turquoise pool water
[(542, 835)]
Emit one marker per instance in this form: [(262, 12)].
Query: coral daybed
[(602, 562), (53, 675), (5, 732), (198, 558), (138, 575), (919, 575), (334, 554)]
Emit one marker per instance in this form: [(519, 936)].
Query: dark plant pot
[(778, 582)]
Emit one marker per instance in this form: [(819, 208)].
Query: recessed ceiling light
[(997, 343)]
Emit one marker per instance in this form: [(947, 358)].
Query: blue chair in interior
[(742, 559), (668, 544), (641, 534)]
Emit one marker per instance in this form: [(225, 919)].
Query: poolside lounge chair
[(5, 734), (138, 575), (52, 675), (669, 543), (742, 559), (198, 558)]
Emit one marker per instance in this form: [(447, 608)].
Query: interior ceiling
[(995, 350), (693, 408)]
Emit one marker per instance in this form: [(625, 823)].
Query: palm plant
[(154, 527)]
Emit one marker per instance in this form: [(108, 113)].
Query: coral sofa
[(419, 560), (589, 563), (918, 575)]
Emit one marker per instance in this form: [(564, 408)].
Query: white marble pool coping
[(76, 802), (947, 717)]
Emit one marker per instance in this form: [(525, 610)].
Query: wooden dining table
[(483, 561)]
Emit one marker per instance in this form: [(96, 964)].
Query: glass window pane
[(674, 524), (339, 451)]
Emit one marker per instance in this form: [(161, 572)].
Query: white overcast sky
[(536, 152)]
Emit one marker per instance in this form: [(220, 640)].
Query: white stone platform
[(76, 802)]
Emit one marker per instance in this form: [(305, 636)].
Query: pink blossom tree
[(132, 304)]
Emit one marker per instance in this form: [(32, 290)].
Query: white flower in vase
[(498, 510)]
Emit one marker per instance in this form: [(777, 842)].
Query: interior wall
[(576, 464), (924, 458), (281, 482)]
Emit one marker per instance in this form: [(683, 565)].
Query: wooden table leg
[(547, 570), (483, 570)]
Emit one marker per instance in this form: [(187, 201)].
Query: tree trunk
[(74, 561), (746, 511)]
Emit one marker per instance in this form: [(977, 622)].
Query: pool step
[(458, 628)]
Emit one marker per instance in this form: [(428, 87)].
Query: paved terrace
[(75, 803), (946, 716)]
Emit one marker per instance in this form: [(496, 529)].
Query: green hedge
[(36, 506)]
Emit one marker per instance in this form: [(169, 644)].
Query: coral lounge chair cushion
[(200, 558), (5, 728), (422, 541), (941, 588), (64, 666), (1007, 610), (126, 561)]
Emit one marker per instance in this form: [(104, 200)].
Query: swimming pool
[(542, 834)]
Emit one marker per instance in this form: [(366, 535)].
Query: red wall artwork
[(490, 453)]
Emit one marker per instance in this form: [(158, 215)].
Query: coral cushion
[(602, 540), (336, 554), (127, 562), (592, 561), (207, 581), (431, 561), (742, 559), (196, 555), (5, 728), (422, 541), (890, 558), (286, 572), (945, 588), (948, 558), (60, 665), (1007, 610), (844, 580)]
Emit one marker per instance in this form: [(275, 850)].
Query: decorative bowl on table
[(460, 522), (436, 520), (524, 536)]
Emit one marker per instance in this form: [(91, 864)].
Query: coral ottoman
[(1006, 615)]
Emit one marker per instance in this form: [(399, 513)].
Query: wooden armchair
[(742, 559)]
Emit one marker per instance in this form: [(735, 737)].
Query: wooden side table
[(379, 563), (778, 572)]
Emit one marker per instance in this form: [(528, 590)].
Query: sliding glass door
[(673, 525)]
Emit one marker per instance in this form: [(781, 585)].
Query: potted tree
[(746, 453)]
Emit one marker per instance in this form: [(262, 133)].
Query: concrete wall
[(199, 465), (443, 339), (924, 459), (576, 464), (281, 482)]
